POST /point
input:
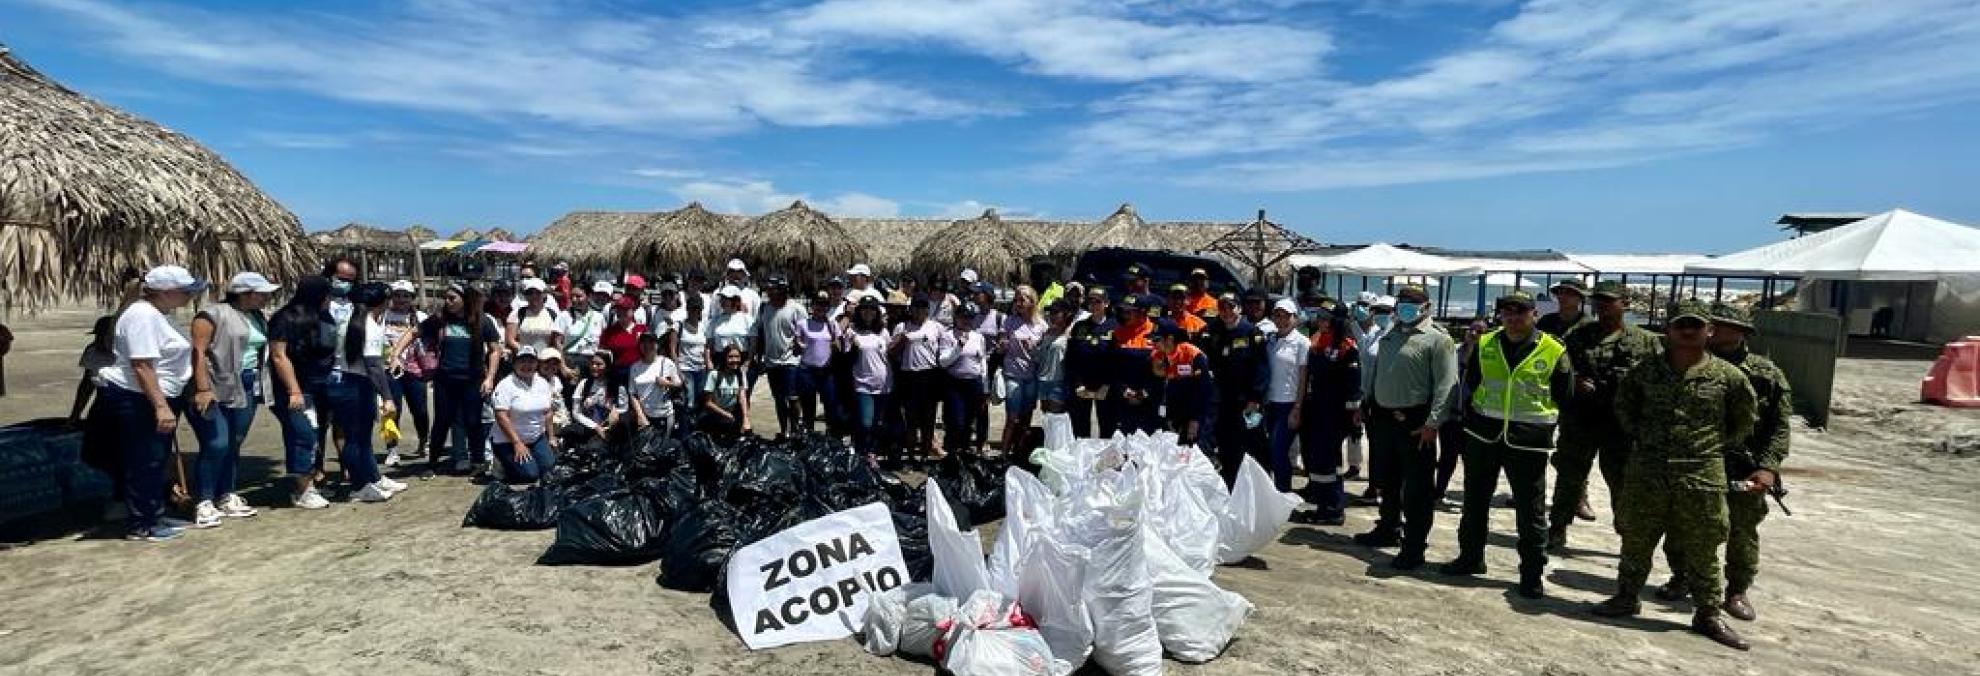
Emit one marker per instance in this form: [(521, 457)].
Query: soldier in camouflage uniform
[(1684, 413), (1601, 352), (1756, 464)]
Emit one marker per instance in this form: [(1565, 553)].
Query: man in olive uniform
[(1685, 412), (1755, 465), (1572, 295), (1414, 374), (1601, 353)]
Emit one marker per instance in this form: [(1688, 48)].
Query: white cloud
[(300, 141), (1564, 84), (753, 197), (666, 173)]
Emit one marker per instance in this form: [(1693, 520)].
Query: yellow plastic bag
[(389, 431)]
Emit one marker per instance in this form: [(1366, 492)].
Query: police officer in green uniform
[(1684, 413), (1571, 294), (1754, 467), (1601, 352), (1513, 384)]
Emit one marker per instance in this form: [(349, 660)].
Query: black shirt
[(309, 343)]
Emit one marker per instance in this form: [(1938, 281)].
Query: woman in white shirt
[(354, 388), (732, 327), (868, 341), (536, 325), (595, 404), (963, 357), (692, 342), (525, 422), (1285, 392), (654, 379), (919, 342), (142, 393), (409, 393)]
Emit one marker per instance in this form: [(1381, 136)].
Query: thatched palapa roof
[(88, 191), (996, 250), (797, 241), (466, 235), (499, 235), (361, 237), (691, 237), (591, 239)]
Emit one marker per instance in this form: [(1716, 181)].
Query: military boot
[(1620, 605), (1707, 621), (1557, 540), (1464, 565), (1530, 585), (1583, 511), (1675, 590), (1738, 607)]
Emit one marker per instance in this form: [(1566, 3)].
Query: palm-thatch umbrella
[(798, 241), (499, 235), (467, 235), (590, 240), (88, 191), (890, 242), (687, 238), (1124, 228), (985, 243)]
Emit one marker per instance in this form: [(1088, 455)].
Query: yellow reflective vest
[(1516, 393)]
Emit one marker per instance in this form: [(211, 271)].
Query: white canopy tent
[(1897, 273), (1383, 260)]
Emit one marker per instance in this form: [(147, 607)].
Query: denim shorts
[(1020, 396), (1054, 391)]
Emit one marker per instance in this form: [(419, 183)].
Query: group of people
[(498, 377)]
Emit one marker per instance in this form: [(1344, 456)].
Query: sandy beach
[(1873, 575)]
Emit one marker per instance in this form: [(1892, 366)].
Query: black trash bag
[(912, 529), (768, 477), (652, 454), (975, 482), (503, 508), (588, 456), (708, 458), (564, 476), (680, 492), (698, 547), (603, 483), (616, 529), (840, 477)]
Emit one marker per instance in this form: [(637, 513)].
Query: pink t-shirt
[(815, 338), (870, 372)]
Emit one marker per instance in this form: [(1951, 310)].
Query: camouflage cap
[(1690, 309), (1519, 299), (1610, 288), (1570, 284), (1731, 315)]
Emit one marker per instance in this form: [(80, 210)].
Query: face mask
[(1408, 313), (1361, 312), (340, 288), (1384, 321)]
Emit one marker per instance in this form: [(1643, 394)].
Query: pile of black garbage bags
[(689, 502)]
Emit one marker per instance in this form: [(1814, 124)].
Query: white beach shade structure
[(1383, 260), (1896, 245)]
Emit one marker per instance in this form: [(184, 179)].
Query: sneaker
[(395, 487), (310, 499), (233, 506), (1449, 505), (206, 515), (392, 457), (159, 533), (372, 493)]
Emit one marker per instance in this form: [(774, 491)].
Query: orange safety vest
[(1177, 364)]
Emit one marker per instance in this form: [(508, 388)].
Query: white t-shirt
[(398, 323), (529, 407), (693, 347), (144, 333), (646, 386), (375, 344), (535, 330), (519, 303), (582, 331), (779, 328), (731, 329), (1286, 354)]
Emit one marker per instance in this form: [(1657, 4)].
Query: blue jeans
[(959, 402), (409, 395), (783, 394), (143, 451), (538, 462), (457, 404), (694, 381), (866, 430), (221, 432), (814, 388), (354, 404), (1278, 429), (1020, 396), (300, 436)]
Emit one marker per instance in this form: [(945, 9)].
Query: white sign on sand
[(812, 582)]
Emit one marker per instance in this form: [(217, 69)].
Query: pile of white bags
[(1107, 555)]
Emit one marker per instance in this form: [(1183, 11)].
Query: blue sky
[(1586, 125)]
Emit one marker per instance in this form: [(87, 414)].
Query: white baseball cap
[(172, 278), (1286, 305), (1385, 301), (860, 269), (534, 284), (1366, 298), (736, 264), (251, 282), (728, 292), (550, 353), (968, 276), (402, 286), (602, 286)]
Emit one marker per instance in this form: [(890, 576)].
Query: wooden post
[(1719, 290), (419, 273)]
